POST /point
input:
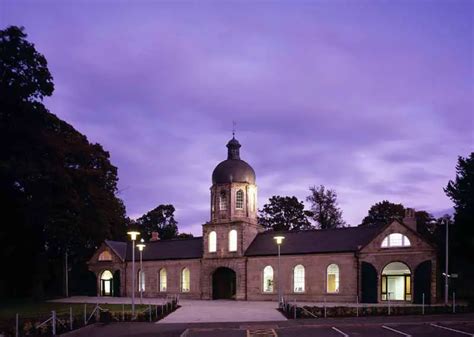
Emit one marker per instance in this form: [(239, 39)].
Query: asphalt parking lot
[(415, 326)]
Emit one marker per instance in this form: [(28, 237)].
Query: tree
[(24, 73), (382, 213), (461, 192), (161, 220), (461, 239), (284, 213), (324, 208), (185, 236), (58, 192)]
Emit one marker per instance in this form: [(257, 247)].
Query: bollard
[(85, 313), (454, 302), (70, 318), (388, 297), (156, 311), (123, 312), (149, 310), (17, 327), (357, 306), (423, 304), (162, 306), (53, 322), (325, 307)]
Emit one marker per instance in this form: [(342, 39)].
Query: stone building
[(236, 259)]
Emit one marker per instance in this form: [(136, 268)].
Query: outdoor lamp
[(279, 240)]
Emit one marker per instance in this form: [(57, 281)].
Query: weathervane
[(233, 128)]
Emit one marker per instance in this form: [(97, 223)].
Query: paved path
[(109, 300), (223, 311)]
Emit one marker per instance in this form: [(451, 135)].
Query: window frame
[(162, 289), (264, 280), (301, 280), (386, 242), (182, 278), (233, 244), (222, 201), (212, 242), (239, 199), (337, 278), (105, 256)]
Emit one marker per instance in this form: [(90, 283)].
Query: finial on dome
[(233, 128)]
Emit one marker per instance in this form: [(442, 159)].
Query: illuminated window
[(268, 279), (222, 201), (105, 256), (233, 241), (185, 280), (212, 242), (141, 280), (333, 278), (239, 199), (163, 279), (106, 275), (396, 240), (298, 279)]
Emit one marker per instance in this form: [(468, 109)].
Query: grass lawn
[(31, 309)]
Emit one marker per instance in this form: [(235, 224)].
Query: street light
[(133, 235), (279, 240), (140, 246), (446, 274)]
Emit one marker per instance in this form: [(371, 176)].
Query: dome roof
[(233, 169)]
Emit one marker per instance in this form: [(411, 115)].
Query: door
[(223, 283), (422, 282), (106, 287)]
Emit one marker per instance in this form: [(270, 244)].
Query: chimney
[(410, 219), (155, 236)]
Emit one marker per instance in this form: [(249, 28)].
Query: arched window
[(333, 278), (106, 275), (141, 280), (233, 240), (105, 256), (222, 201), (212, 242), (396, 282), (163, 279), (298, 279), (396, 240), (268, 279), (185, 280), (239, 199)]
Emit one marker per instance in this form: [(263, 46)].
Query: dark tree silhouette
[(324, 208), (161, 220), (382, 213), (284, 213), (58, 192)]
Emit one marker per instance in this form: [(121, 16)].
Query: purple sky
[(371, 98)]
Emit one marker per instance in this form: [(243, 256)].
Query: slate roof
[(348, 239), (161, 250)]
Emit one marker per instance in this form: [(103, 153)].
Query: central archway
[(223, 283)]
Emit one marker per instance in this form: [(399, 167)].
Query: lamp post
[(446, 274), (140, 246), (133, 235), (279, 240)]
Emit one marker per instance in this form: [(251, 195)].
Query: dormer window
[(396, 240), (105, 256)]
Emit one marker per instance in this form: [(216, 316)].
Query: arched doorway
[(396, 282), (422, 283), (106, 283), (368, 283), (223, 283)]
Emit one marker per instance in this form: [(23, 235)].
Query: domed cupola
[(234, 169)]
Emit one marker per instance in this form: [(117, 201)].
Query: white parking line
[(342, 333), (454, 330), (395, 330)]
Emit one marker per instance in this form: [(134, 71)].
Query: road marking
[(342, 333), (395, 330), (454, 330)]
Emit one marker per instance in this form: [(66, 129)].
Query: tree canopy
[(284, 213), (383, 212), (58, 191), (324, 208), (161, 220)]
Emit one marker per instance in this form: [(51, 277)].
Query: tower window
[(212, 242), (233, 241), (239, 199), (223, 201)]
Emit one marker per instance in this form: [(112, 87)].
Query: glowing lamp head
[(279, 239), (140, 246), (133, 234)]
